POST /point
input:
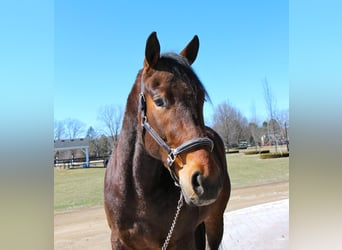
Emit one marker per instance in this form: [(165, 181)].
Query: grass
[(249, 170), (76, 188)]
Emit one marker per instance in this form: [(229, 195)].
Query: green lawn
[(247, 170), (75, 188)]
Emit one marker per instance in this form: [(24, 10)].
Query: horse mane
[(179, 65)]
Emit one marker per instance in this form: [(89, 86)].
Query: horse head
[(171, 117)]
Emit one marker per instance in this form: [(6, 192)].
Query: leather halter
[(172, 152)]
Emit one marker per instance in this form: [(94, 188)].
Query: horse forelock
[(179, 66)]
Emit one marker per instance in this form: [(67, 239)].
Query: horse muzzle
[(200, 183)]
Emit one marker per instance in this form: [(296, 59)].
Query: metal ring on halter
[(171, 158)]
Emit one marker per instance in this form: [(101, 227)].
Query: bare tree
[(283, 120), (230, 124), (240, 126), (253, 127), (59, 130), (111, 117), (269, 99), (74, 128), (270, 103)]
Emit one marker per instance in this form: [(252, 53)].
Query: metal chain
[(179, 206)]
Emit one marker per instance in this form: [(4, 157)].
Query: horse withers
[(166, 183)]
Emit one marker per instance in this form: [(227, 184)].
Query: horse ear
[(152, 50), (191, 50)]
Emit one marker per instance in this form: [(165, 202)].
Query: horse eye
[(160, 102)]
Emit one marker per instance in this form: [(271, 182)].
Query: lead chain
[(179, 207)]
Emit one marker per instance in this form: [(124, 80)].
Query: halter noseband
[(172, 152)]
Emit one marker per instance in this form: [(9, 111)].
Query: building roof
[(71, 144)]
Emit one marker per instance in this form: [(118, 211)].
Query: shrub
[(253, 152), (265, 151), (232, 151), (274, 155)]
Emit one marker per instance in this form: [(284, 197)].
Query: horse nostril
[(197, 181)]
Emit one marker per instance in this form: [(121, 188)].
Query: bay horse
[(166, 183)]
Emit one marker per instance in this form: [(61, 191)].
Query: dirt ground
[(87, 228)]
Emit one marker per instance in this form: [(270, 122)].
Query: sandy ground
[(87, 228)]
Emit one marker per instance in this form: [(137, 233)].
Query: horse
[(166, 184)]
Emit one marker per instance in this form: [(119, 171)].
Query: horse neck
[(142, 172), (148, 172)]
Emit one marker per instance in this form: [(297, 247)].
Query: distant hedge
[(254, 152), (274, 155), (232, 151)]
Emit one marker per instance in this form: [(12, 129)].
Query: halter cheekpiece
[(172, 152)]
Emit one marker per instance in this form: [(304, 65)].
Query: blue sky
[(99, 48), (39, 63)]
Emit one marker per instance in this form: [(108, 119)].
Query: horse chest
[(140, 230), (141, 224), (139, 216)]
